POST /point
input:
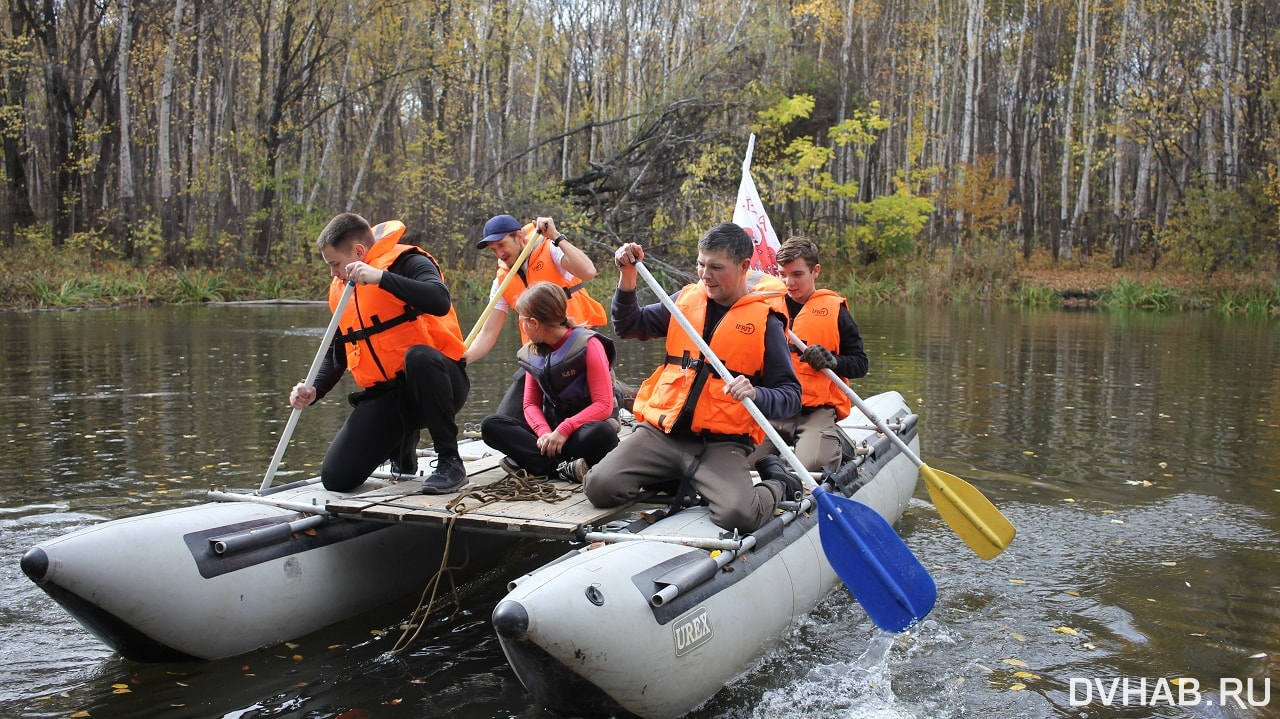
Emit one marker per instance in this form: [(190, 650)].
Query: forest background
[(1118, 151)]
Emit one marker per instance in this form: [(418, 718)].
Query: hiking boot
[(572, 471), (772, 469), (514, 470), (450, 475)]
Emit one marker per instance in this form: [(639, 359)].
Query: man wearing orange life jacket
[(556, 260), (693, 427), (821, 319), (400, 338)]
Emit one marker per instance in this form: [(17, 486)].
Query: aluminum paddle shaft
[(329, 332), (862, 547), (784, 450), (966, 510)]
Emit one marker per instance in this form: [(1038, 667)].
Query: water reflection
[(1134, 452)]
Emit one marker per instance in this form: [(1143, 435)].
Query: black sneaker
[(450, 474), (514, 470), (572, 471)]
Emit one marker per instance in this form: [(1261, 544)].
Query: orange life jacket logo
[(821, 312), (746, 328), (538, 267)]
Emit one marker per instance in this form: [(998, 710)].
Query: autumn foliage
[(224, 134)]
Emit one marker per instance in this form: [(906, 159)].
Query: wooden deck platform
[(558, 519)]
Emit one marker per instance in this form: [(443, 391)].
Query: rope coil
[(517, 487), (514, 487)]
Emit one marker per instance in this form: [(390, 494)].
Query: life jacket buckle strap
[(686, 361), (376, 325)]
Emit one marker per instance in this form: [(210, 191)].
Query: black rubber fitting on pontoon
[(35, 564), (510, 619)]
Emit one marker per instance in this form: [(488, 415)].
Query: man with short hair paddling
[(693, 426), (400, 338), (820, 318), (554, 260)]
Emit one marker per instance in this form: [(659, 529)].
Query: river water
[(1137, 455)]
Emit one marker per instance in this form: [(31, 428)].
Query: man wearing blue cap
[(554, 259)]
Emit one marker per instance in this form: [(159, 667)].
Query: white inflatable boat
[(229, 576), (652, 621)]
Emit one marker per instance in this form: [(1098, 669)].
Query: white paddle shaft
[(725, 375), (862, 406), (329, 332)]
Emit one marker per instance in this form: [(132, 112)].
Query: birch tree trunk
[(201, 120), (473, 147), (842, 105), (1090, 130), (487, 110), (1225, 56), (598, 101), (128, 207), (330, 135), (1063, 239), (531, 159), (973, 47), (973, 42), (568, 107), (1028, 183), (164, 143), (223, 121), (1012, 106), (1121, 227), (510, 35), (935, 131), (1237, 101), (392, 92)]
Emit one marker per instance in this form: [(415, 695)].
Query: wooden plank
[(402, 503)]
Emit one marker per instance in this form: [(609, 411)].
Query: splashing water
[(858, 691)]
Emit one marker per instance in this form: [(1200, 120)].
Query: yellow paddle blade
[(970, 515)]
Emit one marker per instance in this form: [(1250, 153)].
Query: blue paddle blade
[(878, 567)]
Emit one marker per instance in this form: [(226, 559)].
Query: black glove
[(818, 357), (772, 469)]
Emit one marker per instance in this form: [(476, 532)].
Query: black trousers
[(514, 438), (387, 419)]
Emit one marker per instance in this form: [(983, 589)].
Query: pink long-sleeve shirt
[(599, 383)]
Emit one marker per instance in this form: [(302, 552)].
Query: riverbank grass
[(70, 279), (1041, 283)]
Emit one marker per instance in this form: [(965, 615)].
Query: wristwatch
[(556, 241)]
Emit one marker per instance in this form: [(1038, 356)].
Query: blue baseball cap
[(497, 228)]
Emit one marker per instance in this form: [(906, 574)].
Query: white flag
[(750, 215)]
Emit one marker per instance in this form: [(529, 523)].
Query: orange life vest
[(377, 328), (582, 309), (817, 323), (764, 283), (739, 343)]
